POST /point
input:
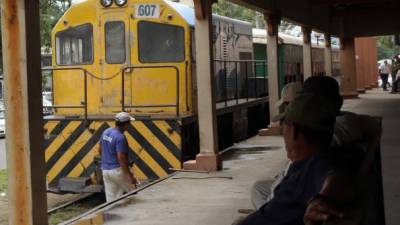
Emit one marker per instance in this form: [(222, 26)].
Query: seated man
[(349, 128), (263, 188), (308, 124)]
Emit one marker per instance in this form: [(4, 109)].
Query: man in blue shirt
[(308, 124), (114, 159)]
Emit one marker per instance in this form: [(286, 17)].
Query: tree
[(286, 27), (50, 12), (1, 52), (228, 9), (387, 48)]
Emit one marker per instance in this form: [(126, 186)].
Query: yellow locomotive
[(138, 56)]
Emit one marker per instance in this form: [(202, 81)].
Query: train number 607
[(147, 10)]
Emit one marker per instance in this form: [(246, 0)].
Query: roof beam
[(359, 22), (355, 18), (344, 2)]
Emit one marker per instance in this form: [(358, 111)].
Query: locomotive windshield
[(160, 42), (75, 45)]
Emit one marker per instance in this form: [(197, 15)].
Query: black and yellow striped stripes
[(70, 146)]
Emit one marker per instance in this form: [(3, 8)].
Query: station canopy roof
[(342, 18)]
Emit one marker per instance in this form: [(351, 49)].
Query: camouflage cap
[(311, 111), (289, 92)]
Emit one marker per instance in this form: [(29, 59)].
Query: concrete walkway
[(379, 103), (191, 198), (186, 199)]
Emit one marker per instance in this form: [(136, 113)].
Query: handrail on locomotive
[(176, 105), (255, 63), (84, 104)]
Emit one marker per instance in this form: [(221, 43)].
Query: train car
[(139, 56), (291, 56)]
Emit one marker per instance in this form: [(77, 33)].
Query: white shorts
[(116, 184)]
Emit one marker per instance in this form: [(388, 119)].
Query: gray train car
[(291, 56), (233, 52)]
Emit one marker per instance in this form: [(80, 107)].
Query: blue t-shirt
[(112, 141), (303, 180)]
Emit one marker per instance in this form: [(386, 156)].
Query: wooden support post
[(208, 158), (307, 53), (273, 22), (373, 58), (360, 46), (348, 68), (367, 64), (23, 95), (328, 55)]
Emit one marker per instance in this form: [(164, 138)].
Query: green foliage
[(50, 12), (1, 52), (228, 9), (387, 48), (285, 26), (3, 181)]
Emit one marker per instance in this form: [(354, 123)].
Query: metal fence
[(240, 79)]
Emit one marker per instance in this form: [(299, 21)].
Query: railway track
[(86, 204), (76, 207), (69, 203)]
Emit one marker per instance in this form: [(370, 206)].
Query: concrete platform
[(198, 199), (191, 198)]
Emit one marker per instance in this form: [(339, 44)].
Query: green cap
[(311, 111)]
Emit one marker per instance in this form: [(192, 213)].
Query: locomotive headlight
[(106, 3), (120, 2)]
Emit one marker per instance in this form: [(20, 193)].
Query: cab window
[(115, 42), (160, 42), (75, 45)]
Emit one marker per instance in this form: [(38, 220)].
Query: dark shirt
[(303, 180), (112, 141)]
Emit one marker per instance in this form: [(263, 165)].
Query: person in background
[(384, 72), (395, 70), (396, 80), (114, 150)]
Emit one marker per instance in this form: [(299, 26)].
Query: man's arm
[(124, 164), (122, 157), (337, 190), (99, 148), (319, 210)]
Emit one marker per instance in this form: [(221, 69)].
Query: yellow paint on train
[(142, 86), (102, 60), (71, 147)]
